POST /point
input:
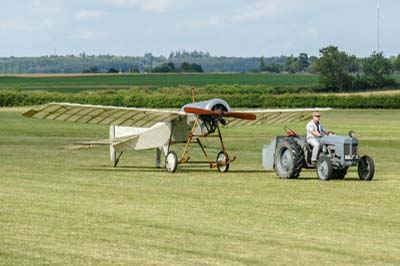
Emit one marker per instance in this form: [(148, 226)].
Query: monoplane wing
[(274, 116), (105, 115)]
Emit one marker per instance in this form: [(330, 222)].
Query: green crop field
[(70, 207), (83, 82), (76, 83)]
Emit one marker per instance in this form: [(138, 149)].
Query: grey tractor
[(289, 154)]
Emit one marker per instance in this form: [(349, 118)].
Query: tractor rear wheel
[(289, 159)]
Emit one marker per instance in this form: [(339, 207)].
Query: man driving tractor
[(315, 130)]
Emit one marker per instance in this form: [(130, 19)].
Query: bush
[(361, 83), (238, 97)]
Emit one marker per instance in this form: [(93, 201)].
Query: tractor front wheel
[(324, 168), (366, 168)]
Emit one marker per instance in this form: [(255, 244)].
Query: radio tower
[(379, 18)]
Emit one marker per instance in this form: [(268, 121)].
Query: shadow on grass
[(183, 169), (106, 168), (205, 169), (346, 179)]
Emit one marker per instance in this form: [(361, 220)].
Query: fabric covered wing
[(275, 116), (105, 115)]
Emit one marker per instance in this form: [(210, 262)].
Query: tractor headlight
[(352, 133)]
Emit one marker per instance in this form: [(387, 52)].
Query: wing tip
[(30, 113)]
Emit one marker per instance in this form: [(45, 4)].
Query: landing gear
[(223, 161), (171, 162)]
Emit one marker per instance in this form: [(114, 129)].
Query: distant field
[(71, 207), (259, 90), (83, 82), (76, 83)]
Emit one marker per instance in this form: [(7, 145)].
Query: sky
[(221, 27)]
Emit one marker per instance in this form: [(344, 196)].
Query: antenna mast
[(379, 18)]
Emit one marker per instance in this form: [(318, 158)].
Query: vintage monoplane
[(139, 129)]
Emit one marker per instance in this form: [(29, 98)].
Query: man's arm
[(326, 132), (315, 133)]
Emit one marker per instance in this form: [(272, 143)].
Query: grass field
[(70, 207), (84, 82), (76, 83)]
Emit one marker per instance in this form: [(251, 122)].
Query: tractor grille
[(350, 149)]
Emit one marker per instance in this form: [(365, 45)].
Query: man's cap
[(316, 114)]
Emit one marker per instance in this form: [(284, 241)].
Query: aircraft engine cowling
[(213, 105), (207, 124)]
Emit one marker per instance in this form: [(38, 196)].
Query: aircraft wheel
[(324, 168), (171, 162), (366, 168), (222, 162)]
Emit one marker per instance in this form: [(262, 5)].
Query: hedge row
[(175, 98)]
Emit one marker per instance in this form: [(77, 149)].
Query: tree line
[(147, 63), (340, 71)]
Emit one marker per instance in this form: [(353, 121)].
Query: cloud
[(257, 10), (86, 34), (14, 25), (46, 7), (86, 14), (149, 5), (269, 10)]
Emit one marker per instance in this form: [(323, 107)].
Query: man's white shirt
[(311, 126)]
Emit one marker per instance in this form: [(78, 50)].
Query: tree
[(262, 63), (377, 68), (312, 68), (291, 64), (274, 68), (133, 69), (186, 67), (92, 69), (303, 62), (197, 68), (171, 66), (354, 64), (334, 68), (396, 63), (113, 70), (164, 68), (148, 59)]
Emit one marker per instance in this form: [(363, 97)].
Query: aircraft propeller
[(200, 111)]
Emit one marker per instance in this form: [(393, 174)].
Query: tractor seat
[(308, 146)]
